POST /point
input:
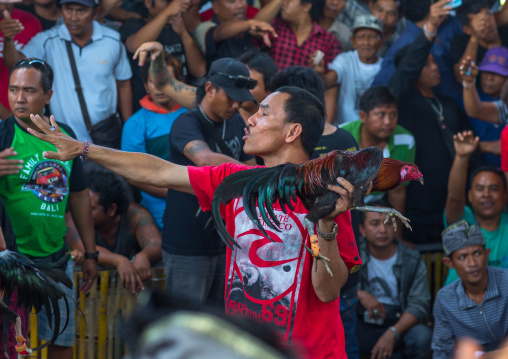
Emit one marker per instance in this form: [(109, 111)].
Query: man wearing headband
[(473, 306), (209, 134)]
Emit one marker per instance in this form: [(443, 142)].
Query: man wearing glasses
[(209, 134)]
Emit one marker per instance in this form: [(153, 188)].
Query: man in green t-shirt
[(487, 197), (36, 191), (378, 127)]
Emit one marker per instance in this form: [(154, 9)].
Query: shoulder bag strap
[(79, 89)]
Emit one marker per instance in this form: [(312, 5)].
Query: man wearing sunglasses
[(209, 134)]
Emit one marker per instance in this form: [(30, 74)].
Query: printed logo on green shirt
[(48, 181)]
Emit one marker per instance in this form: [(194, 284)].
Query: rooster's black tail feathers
[(261, 187)]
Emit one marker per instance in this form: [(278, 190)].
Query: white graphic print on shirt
[(264, 276)]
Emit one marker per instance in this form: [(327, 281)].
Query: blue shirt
[(148, 132), (440, 50), (100, 63), (457, 316)]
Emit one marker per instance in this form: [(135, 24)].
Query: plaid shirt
[(285, 51)]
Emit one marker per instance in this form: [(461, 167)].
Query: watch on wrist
[(328, 236), (94, 256), (395, 332)]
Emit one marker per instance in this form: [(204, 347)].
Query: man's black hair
[(317, 8), (415, 10), (302, 77), (470, 7), (260, 62), (492, 169), (375, 97), (304, 108), (39, 65), (377, 203), (110, 188)]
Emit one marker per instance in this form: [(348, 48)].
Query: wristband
[(86, 146), (328, 236), (429, 34), (94, 256), (395, 332), (466, 86)]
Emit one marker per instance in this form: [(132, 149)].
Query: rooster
[(37, 286), (261, 187)]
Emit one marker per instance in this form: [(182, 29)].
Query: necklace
[(212, 122), (438, 110)]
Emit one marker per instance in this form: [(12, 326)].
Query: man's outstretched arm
[(139, 167)]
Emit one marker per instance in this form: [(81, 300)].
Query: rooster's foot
[(391, 214), (323, 260)]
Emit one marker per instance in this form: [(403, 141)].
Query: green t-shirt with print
[(496, 241), (36, 198)]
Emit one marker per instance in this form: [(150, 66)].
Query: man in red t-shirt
[(21, 26), (270, 282)]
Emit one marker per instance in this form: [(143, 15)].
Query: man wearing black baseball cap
[(209, 134)]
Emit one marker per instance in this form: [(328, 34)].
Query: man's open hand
[(465, 143), (67, 147), (152, 48)]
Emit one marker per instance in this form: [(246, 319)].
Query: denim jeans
[(348, 304), (199, 279)]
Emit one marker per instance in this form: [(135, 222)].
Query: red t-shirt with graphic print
[(270, 282)]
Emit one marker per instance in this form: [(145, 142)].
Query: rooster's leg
[(21, 347), (315, 247), (391, 214)]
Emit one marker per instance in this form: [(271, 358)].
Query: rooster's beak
[(421, 180)]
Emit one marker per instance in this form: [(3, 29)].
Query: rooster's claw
[(323, 260)]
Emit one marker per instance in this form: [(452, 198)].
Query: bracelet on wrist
[(86, 146), (93, 256), (395, 332), (429, 34), (468, 86), (328, 236)]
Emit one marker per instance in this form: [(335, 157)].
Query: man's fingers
[(7, 15), (39, 122)]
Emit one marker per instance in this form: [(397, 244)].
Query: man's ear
[(112, 210), (294, 132), (48, 96), (469, 195), (361, 228), (306, 6), (363, 116), (467, 30), (487, 253), (210, 89), (448, 262)]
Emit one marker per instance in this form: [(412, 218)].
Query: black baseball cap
[(233, 77), (87, 3)]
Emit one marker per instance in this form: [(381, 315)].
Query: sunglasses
[(240, 81), (34, 62)]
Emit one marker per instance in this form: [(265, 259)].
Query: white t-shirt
[(382, 281), (354, 78)]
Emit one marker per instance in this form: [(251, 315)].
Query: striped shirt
[(457, 316)]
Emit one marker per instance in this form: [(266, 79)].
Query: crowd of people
[(169, 97)]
